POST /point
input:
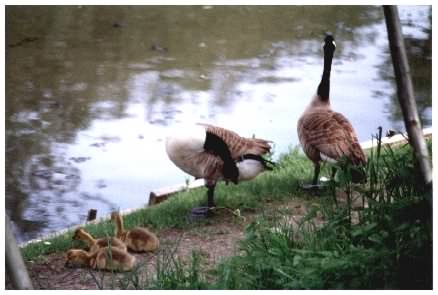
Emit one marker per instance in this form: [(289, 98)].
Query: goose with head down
[(324, 134), (214, 154)]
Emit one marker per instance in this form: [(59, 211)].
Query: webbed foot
[(198, 213), (313, 187)]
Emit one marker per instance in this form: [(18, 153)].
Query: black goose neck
[(324, 86)]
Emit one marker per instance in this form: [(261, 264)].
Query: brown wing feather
[(331, 134), (238, 145), (211, 166), (357, 156)]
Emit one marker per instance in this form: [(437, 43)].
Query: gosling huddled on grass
[(95, 244), (103, 259), (138, 239)]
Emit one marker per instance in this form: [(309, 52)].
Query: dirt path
[(213, 240)]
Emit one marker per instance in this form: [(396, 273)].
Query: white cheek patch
[(327, 158)]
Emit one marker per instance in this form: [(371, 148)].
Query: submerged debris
[(23, 41)]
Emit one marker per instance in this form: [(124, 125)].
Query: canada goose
[(103, 259), (214, 154), (324, 134), (138, 239), (95, 244)]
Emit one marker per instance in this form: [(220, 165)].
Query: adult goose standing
[(326, 135), (214, 153)]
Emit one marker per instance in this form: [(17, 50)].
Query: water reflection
[(418, 40), (91, 91)]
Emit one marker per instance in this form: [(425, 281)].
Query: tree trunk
[(405, 93), (14, 262)]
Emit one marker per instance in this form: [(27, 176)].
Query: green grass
[(280, 184), (388, 246)]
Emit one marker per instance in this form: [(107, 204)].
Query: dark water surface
[(92, 91)]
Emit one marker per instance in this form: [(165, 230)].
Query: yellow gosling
[(103, 259), (138, 239), (96, 244)]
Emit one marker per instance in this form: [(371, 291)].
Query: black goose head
[(329, 43)]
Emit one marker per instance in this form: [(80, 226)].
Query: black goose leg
[(314, 184), (316, 174), (333, 186), (203, 212), (210, 196), (333, 173)]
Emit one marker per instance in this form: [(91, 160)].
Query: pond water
[(91, 92)]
